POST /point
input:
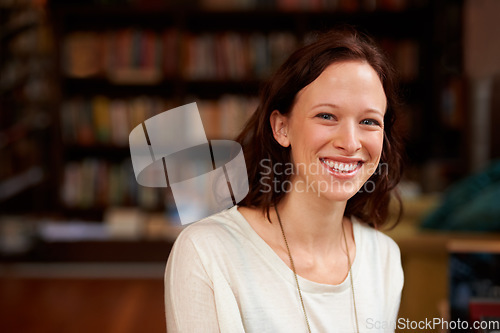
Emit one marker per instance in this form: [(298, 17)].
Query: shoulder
[(212, 230), (210, 246), (378, 243), (375, 235), (382, 254)]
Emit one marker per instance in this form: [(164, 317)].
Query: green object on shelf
[(472, 204)]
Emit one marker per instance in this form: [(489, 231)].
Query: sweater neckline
[(286, 272)]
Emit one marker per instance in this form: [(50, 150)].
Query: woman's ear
[(279, 124)]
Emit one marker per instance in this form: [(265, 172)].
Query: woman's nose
[(347, 138)]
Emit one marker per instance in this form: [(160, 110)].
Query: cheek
[(374, 145), (308, 141)]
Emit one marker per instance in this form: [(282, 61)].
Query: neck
[(314, 224)]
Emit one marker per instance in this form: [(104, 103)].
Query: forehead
[(353, 83)]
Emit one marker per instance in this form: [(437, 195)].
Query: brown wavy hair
[(279, 92)]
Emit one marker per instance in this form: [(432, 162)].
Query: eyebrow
[(335, 106), (375, 111), (325, 104)]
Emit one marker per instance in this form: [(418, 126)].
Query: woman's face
[(335, 130)]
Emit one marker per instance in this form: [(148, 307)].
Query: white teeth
[(341, 167)]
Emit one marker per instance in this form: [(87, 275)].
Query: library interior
[(83, 245)]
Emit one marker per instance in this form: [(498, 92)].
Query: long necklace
[(297, 281)]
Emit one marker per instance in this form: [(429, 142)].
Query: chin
[(337, 194)]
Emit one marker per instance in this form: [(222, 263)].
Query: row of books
[(234, 56), (146, 56), (122, 55), (18, 153), (98, 183), (131, 56), (405, 55), (106, 121), (225, 117), (453, 103), (100, 120), (22, 167)]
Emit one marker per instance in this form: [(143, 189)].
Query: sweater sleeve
[(189, 292)]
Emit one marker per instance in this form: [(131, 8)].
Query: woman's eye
[(370, 122), (325, 116)]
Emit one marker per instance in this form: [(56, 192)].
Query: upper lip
[(342, 159)]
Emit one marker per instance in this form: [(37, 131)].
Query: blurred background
[(83, 247)]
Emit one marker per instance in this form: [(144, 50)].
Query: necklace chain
[(297, 281), (352, 283)]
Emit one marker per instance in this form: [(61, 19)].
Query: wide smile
[(341, 169)]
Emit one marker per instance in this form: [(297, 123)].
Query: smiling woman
[(336, 122), (283, 91), (302, 253)]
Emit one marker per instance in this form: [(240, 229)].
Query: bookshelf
[(121, 62), (27, 101)]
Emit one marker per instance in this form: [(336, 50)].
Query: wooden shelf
[(165, 88), (111, 152), (103, 251)]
